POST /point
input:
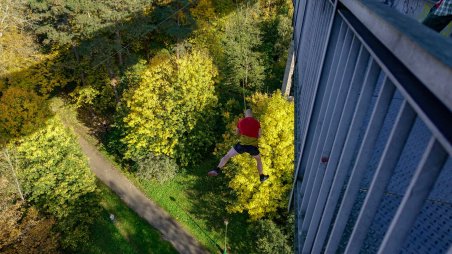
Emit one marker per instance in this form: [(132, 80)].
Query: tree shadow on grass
[(209, 198)]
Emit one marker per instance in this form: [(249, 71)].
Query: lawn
[(126, 234), (199, 203)]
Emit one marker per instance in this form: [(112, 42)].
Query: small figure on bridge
[(249, 130), (440, 15)]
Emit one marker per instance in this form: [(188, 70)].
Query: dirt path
[(137, 201)]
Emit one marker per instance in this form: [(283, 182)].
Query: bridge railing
[(373, 136)]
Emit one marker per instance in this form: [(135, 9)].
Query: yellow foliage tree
[(171, 110), (56, 178), (44, 76), (21, 112), (24, 230), (276, 116)]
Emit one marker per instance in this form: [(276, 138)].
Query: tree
[(209, 32), (24, 230), (171, 110), (21, 112), (277, 34), (178, 23), (270, 239), (8, 168), (16, 46), (276, 116), (244, 67), (56, 179)]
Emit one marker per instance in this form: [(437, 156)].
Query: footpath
[(182, 241)]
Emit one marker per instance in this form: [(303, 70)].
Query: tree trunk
[(11, 166), (113, 82)]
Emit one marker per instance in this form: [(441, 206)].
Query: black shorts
[(252, 150)]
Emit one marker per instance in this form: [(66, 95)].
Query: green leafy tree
[(56, 178), (209, 30), (244, 66), (276, 116), (277, 34), (177, 26), (171, 111), (270, 239)]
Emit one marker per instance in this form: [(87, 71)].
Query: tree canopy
[(172, 108), (56, 178)]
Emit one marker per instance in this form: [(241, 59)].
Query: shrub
[(270, 239), (159, 167)]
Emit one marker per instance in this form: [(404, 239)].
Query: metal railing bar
[(359, 113), (359, 74), (414, 45), (298, 222), (332, 37), (304, 66), (310, 160), (297, 10), (335, 102), (393, 149), (312, 64), (428, 107), (420, 186), (307, 111), (364, 154), (307, 66), (436, 201)]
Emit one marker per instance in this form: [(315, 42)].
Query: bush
[(270, 239), (159, 167)]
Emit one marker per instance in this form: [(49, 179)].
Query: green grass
[(127, 234), (196, 201), (199, 203)]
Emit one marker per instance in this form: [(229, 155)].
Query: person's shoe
[(263, 178), (213, 172)]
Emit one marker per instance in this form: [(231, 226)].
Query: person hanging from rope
[(249, 130)]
